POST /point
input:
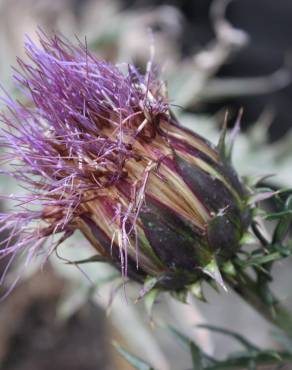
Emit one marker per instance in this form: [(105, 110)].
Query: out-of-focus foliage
[(251, 358)]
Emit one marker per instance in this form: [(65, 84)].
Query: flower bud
[(100, 151)]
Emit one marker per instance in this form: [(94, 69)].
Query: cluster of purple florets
[(66, 140)]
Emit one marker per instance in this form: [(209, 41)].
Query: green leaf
[(135, 361), (261, 260), (95, 258), (277, 215), (221, 146), (232, 334), (199, 358), (147, 287), (283, 225), (248, 361), (149, 300), (183, 339)]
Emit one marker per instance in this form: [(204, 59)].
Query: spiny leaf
[(183, 339), (260, 196), (221, 146), (149, 300), (180, 295), (255, 180), (245, 360), (232, 334), (135, 361), (197, 359), (95, 258), (196, 353), (261, 260), (285, 221), (277, 215), (148, 286)]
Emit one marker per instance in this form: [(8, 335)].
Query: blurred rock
[(31, 337)]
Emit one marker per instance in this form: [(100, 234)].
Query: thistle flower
[(98, 150)]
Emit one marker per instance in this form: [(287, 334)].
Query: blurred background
[(216, 56)]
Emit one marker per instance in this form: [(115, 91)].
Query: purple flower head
[(98, 150), (70, 140)]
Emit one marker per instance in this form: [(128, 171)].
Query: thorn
[(234, 133), (213, 271), (221, 146), (229, 268), (248, 238), (197, 290), (181, 296), (149, 301), (148, 286)]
